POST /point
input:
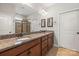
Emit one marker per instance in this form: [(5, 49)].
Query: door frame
[(59, 29)]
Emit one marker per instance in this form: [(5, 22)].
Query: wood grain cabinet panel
[(16, 51), (44, 38), (36, 50), (44, 45), (50, 41), (44, 52), (26, 53)]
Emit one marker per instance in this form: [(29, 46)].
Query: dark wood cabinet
[(47, 43), (36, 47), (25, 53), (44, 45), (50, 41), (36, 50), (16, 51)]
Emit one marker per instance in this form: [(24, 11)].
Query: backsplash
[(9, 36)]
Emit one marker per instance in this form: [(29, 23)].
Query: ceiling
[(29, 8)]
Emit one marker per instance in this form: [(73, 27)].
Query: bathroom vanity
[(36, 44)]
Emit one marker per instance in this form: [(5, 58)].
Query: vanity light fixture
[(43, 12), (28, 4)]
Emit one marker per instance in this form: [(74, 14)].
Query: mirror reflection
[(13, 19)]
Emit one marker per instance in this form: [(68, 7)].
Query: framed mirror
[(50, 22), (43, 22)]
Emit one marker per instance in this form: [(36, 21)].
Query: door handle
[(77, 32)]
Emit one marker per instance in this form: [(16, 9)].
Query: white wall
[(7, 18), (52, 11), (35, 23), (7, 12)]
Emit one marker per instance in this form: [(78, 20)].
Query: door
[(18, 27), (24, 27), (69, 26)]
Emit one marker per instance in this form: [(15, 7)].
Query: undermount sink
[(20, 40), (23, 38)]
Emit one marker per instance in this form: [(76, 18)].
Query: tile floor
[(62, 52)]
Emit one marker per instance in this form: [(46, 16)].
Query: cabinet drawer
[(44, 51), (44, 44), (50, 43), (36, 41), (44, 38), (50, 35), (26, 53)]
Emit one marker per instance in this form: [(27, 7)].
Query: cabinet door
[(44, 51), (36, 50), (50, 41), (44, 45)]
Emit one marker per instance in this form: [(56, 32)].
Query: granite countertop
[(12, 42)]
